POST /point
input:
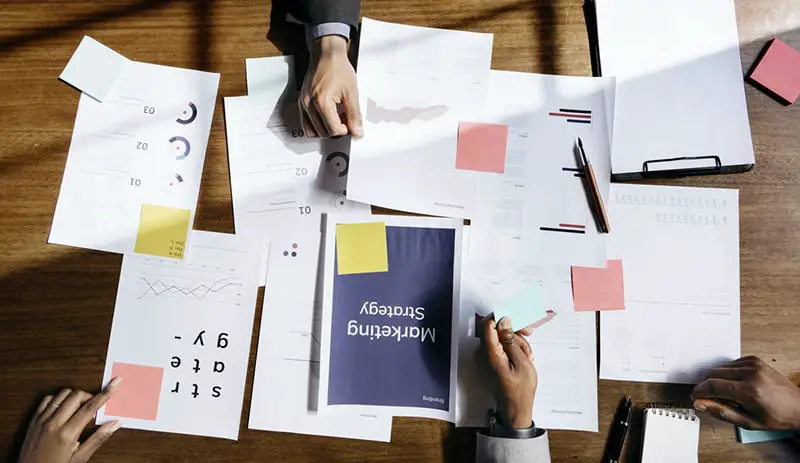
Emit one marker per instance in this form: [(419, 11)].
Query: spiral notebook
[(670, 434)]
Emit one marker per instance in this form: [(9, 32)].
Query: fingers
[(84, 416), (727, 413), (490, 342), (527, 331), (732, 373), (318, 128), (714, 388), (353, 113), (525, 346), (68, 408), (511, 344), (52, 407), (42, 406), (326, 108), (305, 122), (95, 441)]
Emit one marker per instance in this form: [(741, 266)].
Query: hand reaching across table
[(751, 394), (54, 432), (330, 81)]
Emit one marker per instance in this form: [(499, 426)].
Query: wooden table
[(56, 302)]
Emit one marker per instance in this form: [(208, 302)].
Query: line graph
[(157, 287)]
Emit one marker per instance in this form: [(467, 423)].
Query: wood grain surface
[(56, 302)]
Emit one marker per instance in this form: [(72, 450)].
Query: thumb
[(353, 112), (95, 441), (727, 413), (510, 342)]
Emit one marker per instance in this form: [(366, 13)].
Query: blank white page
[(670, 436), (680, 88)]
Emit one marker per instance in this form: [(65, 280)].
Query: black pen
[(619, 429)]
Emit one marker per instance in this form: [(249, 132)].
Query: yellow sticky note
[(361, 248), (162, 231)]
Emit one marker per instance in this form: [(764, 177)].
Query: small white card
[(94, 68)]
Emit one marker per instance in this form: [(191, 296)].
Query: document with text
[(415, 85), (679, 248)]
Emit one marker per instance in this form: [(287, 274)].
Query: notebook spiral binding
[(672, 411)]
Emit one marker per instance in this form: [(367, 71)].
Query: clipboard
[(694, 94)]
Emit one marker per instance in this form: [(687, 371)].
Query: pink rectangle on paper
[(779, 71), (138, 394), (598, 288), (481, 147)]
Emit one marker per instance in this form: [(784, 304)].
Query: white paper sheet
[(415, 85), (146, 144), (680, 90), (538, 209), (189, 322), (377, 356), (564, 347), (279, 177), (286, 384), (680, 253)]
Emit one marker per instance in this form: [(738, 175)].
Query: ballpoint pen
[(619, 429), (596, 200)]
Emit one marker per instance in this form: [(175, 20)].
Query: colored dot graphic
[(291, 253)]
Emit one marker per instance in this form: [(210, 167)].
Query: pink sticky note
[(138, 393), (779, 71), (598, 288), (481, 147)]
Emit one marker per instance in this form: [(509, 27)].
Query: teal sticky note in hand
[(523, 308), (754, 437)]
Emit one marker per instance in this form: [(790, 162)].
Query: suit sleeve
[(314, 12), (501, 450)]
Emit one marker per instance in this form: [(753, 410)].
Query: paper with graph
[(415, 85), (287, 366), (180, 338), (135, 161)]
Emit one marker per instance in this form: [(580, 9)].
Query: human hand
[(58, 423), (330, 80), (751, 394), (513, 375)]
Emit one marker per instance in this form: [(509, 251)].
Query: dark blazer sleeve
[(315, 12)]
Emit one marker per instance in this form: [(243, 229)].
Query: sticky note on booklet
[(361, 248), (94, 69), (163, 231)]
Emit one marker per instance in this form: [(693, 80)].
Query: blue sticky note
[(523, 308), (754, 437)]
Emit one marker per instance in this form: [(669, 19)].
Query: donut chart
[(187, 148), (188, 115), (341, 203), (337, 164)]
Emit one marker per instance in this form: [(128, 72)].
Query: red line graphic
[(572, 225), (572, 116)]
